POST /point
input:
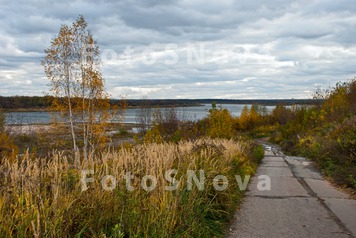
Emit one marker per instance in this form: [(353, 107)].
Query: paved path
[(300, 203)]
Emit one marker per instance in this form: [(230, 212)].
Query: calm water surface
[(190, 113)]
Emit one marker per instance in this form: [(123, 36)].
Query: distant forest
[(43, 102)]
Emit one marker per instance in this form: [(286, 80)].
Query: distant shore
[(129, 107), (37, 103)]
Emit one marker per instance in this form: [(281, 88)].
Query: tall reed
[(43, 197)]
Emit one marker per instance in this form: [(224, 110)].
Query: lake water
[(190, 113)]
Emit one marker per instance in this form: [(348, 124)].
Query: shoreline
[(35, 128)]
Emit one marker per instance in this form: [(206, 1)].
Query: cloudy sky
[(189, 48)]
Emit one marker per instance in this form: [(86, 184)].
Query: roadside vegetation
[(43, 197), (324, 133)]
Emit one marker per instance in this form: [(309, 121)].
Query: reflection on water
[(188, 113)]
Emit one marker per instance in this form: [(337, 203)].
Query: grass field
[(45, 197)]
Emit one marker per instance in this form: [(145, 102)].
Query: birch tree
[(72, 64)]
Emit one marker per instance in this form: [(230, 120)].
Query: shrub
[(220, 123), (8, 149), (345, 135)]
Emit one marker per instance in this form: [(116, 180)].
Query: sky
[(247, 49)]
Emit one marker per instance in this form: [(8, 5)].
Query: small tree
[(282, 114), (144, 116), (167, 121), (220, 123), (72, 64), (244, 118)]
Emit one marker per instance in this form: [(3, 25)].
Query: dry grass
[(43, 197)]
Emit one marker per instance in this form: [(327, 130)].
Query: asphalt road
[(300, 202)]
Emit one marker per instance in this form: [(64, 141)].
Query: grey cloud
[(274, 49)]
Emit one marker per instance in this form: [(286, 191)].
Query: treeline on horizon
[(44, 102)]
